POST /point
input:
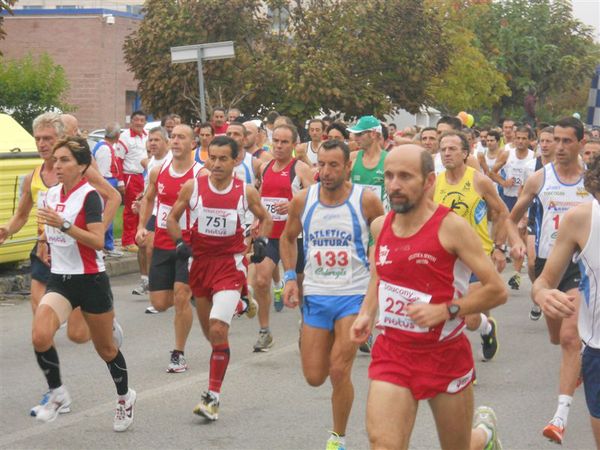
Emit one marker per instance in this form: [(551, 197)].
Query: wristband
[(289, 275), (502, 247)]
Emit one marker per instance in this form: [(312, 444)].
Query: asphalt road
[(265, 403)]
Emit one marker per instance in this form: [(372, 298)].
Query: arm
[(530, 190), (146, 205), (265, 223), (19, 219), (473, 162), (288, 247), (181, 204), (306, 174), (371, 206), (103, 159), (494, 174), (112, 198), (301, 154)]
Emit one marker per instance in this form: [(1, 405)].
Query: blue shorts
[(509, 201), (590, 368), (322, 311)]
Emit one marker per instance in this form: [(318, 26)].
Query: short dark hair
[(290, 128), (218, 108), (139, 112), (340, 127), (507, 119), (311, 121), (546, 130), (495, 134), (271, 116), (78, 147), (463, 139), (333, 144), (454, 122), (524, 129), (428, 129), (572, 122), (225, 141), (207, 125)]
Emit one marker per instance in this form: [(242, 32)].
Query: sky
[(588, 11)]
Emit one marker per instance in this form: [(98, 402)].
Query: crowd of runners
[(390, 242)]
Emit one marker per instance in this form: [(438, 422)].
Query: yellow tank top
[(467, 203), (38, 191)]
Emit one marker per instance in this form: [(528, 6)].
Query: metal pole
[(201, 86)]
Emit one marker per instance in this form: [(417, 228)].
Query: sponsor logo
[(581, 192), (459, 383), (422, 258), (337, 273), (384, 251), (161, 188), (60, 207)]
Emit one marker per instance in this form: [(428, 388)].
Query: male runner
[(282, 177), (419, 278), (579, 233), (335, 216), (307, 151), (559, 187), (590, 150), (169, 284), (449, 123), (217, 205), (251, 142), (205, 134)]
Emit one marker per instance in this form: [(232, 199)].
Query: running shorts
[(322, 311), (90, 291), (272, 252), (590, 368), (209, 275), (166, 269), (39, 271), (570, 279)]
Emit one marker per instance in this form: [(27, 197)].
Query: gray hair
[(112, 131), (162, 131), (49, 119)]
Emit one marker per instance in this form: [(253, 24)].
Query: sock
[(48, 362), (265, 330), (118, 371), (180, 352), (144, 279), (338, 438), (485, 327), (219, 360), (562, 411), (279, 284), (217, 395), (488, 433)]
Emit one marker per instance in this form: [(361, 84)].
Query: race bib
[(331, 265), (217, 222), (393, 301), (373, 188), (163, 213), (270, 203), (518, 174)]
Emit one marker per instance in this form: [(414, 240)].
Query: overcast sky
[(588, 11)]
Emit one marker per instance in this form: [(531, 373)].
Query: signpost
[(199, 52)]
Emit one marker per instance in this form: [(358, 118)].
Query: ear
[(429, 181)]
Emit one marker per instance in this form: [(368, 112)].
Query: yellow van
[(18, 157)]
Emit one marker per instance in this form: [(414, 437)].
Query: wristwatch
[(453, 310), (502, 247), (66, 226)]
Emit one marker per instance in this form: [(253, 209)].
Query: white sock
[(144, 278), (562, 411), (488, 433), (60, 389), (485, 327), (278, 285), (124, 397), (337, 438), (217, 395)]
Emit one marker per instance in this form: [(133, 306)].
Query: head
[(337, 131), (315, 129), (493, 140), (283, 120), (270, 119), (222, 153), (233, 114), (168, 123), (112, 132), (138, 121), (596, 133), (47, 128), (71, 157), (237, 132), (592, 177), (454, 148), (206, 133), (218, 117), (508, 129), (284, 138), (182, 142), (448, 123), (546, 141), (157, 143), (176, 118), (392, 129), (409, 175), (70, 124), (591, 150), (429, 139), (522, 138), (483, 134), (569, 140), (367, 131), (334, 164), (252, 131)]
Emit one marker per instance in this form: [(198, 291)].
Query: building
[(130, 6), (88, 44)]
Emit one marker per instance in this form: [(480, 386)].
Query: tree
[(29, 88), (5, 5)]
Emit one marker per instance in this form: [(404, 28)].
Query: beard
[(402, 208)]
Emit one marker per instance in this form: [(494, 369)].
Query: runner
[(487, 159), (282, 177), (72, 215), (334, 216), (449, 123), (217, 205), (252, 139), (579, 233), (590, 150), (307, 151), (168, 275), (559, 187), (419, 276), (205, 134)]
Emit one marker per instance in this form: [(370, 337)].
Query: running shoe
[(113, 253), (208, 407), (33, 411), (515, 282), (535, 313), (177, 363), (117, 333), (278, 297), (131, 248), (335, 442), (151, 310), (264, 342), (489, 342), (485, 416), (366, 346), (142, 289), (124, 412), (251, 306), (59, 401), (554, 431)]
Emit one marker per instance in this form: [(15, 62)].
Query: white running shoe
[(124, 412), (117, 333), (59, 401), (152, 310)]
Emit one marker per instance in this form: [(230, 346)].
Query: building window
[(134, 9)]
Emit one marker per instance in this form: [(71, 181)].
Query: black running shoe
[(489, 342)]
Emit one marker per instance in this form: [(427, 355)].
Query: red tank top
[(277, 188), (167, 190), (417, 269), (217, 218)]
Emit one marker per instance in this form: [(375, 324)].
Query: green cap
[(366, 123)]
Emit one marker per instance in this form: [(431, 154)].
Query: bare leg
[(453, 415)]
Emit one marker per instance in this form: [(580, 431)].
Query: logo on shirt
[(422, 258), (60, 207), (161, 188), (581, 192), (384, 251), (284, 173)]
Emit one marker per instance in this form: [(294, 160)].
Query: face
[(453, 155), (236, 133), (232, 115), (567, 145), (508, 128), (590, 151), (492, 143), (182, 141), (206, 136), (429, 140), (547, 146), (483, 138), (251, 135), (66, 166), (156, 144), (522, 140), (404, 182), (282, 144), (443, 127), (45, 138), (218, 118), (138, 122), (221, 161), (335, 135), (393, 129), (315, 131), (169, 125), (333, 169), (366, 138), (596, 133)]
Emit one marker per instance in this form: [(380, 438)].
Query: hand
[(259, 249), (510, 182), (555, 304), (518, 250), (183, 250), (47, 216), (3, 234), (254, 229), (361, 328), (140, 237), (282, 208), (42, 252), (290, 294), (499, 259), (135, 206), (426, 315)]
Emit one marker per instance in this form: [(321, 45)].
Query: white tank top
[(516, 168), (245, 172), (151, 165), (311, 154), (336, 240), (555, 199), (589, 266), (438, 164)]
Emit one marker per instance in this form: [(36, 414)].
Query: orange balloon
[(463, 116)]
